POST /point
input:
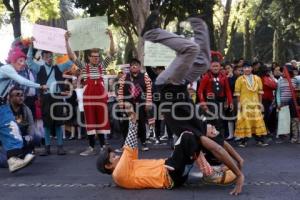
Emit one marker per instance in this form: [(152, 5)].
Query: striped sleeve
[(148, 89), (121, 89), (107, 61), (131, 139), (83, 73)]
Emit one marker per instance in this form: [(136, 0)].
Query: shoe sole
[(26, 165), (145, 149), (218, 184)]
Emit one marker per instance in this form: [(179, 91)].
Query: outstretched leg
[(186, 51), (201, 37)]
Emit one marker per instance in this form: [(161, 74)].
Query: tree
[(140, 11), (284, 18), (272, 32), (125, 14), (224, 26), (66, 13), (31, 9)]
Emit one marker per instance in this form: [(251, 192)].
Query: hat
[(247, 64), (289, 67), (293, 61), (103, 159)]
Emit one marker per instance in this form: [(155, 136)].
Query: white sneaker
[(15, 163), (164, 137), (29, 157), (88, 152)]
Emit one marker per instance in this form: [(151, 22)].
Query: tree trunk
[(140, 11), (275, 47), (252, 50), (15, 18), (223, 31), (208, 18), (130, 49), (66, 13), (229, 53), (247, 38)]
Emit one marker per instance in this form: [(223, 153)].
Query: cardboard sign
[(158, 55), (88, 33), (49, 38)]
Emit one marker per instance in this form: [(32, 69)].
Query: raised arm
[(131, 139), (30, 62), (112, 52), (112, 49), (71, 54)]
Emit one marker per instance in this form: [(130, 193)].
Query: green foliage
[(34, 10), (284, 16), (2, 13), (42, 9)]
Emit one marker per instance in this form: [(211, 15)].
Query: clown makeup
[(19, 64), (215, 67)]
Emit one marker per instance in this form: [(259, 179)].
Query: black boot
[(46, 151), (152, 22), (60, 150)]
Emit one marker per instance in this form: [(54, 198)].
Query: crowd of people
[(231, 101)]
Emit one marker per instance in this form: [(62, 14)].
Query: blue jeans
[(10, 136), (3, 159)]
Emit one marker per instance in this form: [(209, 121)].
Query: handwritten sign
[(158, 55), (49, 38), (88, 33)]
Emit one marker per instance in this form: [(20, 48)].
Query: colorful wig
[(14, 54), (216, 56)]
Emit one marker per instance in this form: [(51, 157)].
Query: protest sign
[(49, 38), (158, 55), (88, 33)]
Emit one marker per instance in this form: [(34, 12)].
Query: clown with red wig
[(10, 136), (214, 92)]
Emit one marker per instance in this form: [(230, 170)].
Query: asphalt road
[(271, 173)]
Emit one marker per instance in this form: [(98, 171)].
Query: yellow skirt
[(250, 122)]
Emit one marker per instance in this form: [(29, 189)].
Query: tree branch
[(7, 5), (26, 4)]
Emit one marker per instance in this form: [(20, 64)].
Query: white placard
[(158, 55), (49, 38)]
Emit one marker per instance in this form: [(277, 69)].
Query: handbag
[(284, 121)]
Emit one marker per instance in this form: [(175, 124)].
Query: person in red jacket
[(214, 93), (269, 86)]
